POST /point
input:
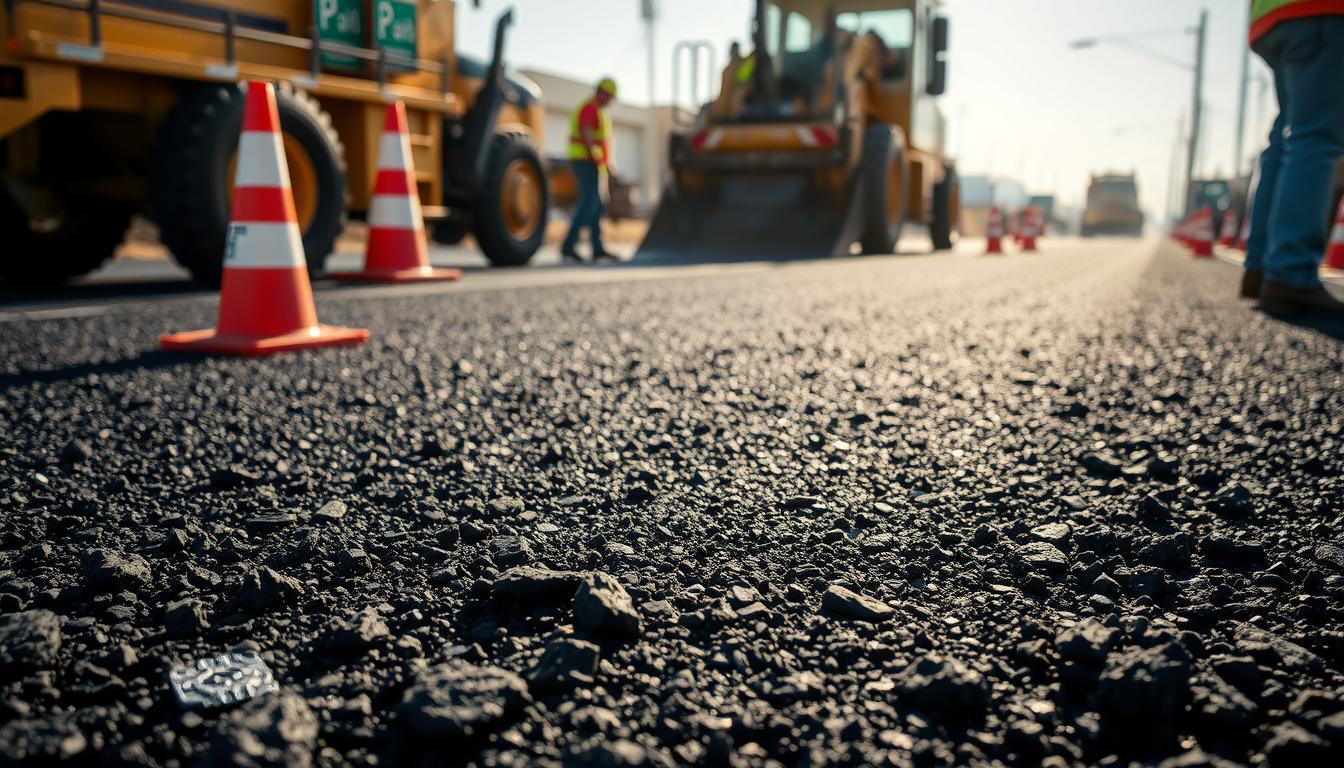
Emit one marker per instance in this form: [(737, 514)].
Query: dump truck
[(826, 137), (109, 108), (1112, 206)]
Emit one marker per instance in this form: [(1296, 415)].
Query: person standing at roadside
[(590, 157), (1302, 41)]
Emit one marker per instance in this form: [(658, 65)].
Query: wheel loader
[(825, 138), (110, 108)]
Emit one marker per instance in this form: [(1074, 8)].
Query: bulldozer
[(825, 139), (110, 108)]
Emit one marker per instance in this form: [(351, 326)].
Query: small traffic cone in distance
[(397, 250), (1201, 239), (1334, 253), (1245, 233), (265, 301), (1185, 231), (994, 232), (1229, 234), (1030, 231)]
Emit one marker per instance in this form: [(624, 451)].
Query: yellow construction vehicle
[(112, 107), (826, 135)]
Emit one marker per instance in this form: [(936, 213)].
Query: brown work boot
[(1251, 281), (1284, 300)]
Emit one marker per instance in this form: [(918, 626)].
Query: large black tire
[(74, 242), (883, 150), (501, 246), (188, 182), (944, 219)]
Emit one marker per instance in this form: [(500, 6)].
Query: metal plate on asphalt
[(221, 680)]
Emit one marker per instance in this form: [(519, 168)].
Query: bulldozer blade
[(752, 218)]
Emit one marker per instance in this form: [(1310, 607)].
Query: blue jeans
[(1291, 215), (588, 213)]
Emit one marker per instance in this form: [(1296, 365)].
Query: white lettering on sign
[(392, 28), (326, 11)]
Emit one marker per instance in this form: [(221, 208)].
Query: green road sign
[(340, 21), (394, 28)]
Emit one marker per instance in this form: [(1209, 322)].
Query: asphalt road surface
[(1083, 507)]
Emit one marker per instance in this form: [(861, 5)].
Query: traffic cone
[(1245, 233), (1201, 236), (1228, 237), (994, 232), (1334, 254), (265, 301), (398, 251), (1031, 227)]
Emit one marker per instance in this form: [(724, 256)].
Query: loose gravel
[(1071, 509)]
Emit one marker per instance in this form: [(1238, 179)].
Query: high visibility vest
[(746, 70), (1265, 14), (600, 153)]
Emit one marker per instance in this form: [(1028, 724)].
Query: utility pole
[(653, 182), (1241, 111), (1197, 118)]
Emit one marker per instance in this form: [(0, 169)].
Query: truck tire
[(74, 243), (191, 179), (944, 211), (883, 150), (509, 220)]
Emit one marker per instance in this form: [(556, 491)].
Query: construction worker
[(590, 157), (1302, 41)]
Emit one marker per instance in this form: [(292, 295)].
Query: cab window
[(797, 33), (894, 32)]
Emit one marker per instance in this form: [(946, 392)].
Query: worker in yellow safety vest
[(1302, 41), (590, 158)]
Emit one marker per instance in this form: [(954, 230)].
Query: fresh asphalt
[(1073, 508)]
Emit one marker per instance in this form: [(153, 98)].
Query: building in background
[(979, 193)]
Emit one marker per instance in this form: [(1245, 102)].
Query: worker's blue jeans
[(588, 213), (1291, 215)]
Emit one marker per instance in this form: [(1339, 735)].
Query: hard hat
[(607, 86)]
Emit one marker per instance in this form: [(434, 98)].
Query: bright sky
[(1020, 102)]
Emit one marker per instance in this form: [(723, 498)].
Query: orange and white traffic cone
[(1031, 229), (1245, 233), (994, 232), (1201, 236), (265, 301), (1228, 237), (398, 251), (1334, 254)]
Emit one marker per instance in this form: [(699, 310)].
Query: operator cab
[(799, 45)]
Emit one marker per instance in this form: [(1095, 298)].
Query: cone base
[(407, 275), (1334, 261), (210, 341)]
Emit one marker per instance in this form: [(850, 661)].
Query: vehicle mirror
[(937, 85)]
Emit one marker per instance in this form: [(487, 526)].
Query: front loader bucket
[(754, 217)]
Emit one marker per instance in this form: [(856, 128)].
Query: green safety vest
[(578, 150), (746, 70), (1266, 13)]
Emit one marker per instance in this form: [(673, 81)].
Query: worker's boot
[(1251, 282), (569, 254), (605, 256), (1284, 300)]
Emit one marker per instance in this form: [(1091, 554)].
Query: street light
[(1130, 42)]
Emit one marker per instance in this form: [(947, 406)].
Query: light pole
[(653, 182), (1197, 112)]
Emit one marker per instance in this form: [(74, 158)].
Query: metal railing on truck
[(197, 17)]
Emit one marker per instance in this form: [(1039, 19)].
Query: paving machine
[(113, 107), (824, 137)]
